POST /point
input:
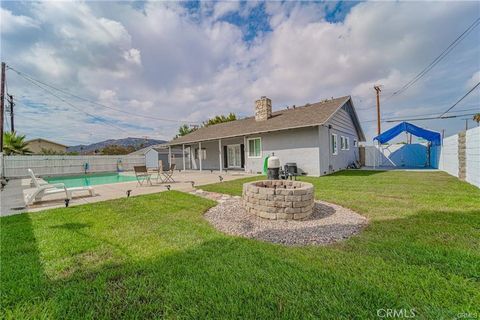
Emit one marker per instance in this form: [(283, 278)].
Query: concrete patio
[(12, 196)]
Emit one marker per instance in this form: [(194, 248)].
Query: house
[(320, 138), (42, 146), (153, 154)]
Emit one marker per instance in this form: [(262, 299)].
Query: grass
[(155, 256)]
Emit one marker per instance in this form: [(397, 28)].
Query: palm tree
[(13, 144), (476, 118)]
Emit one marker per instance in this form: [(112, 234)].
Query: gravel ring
[(329, 223)]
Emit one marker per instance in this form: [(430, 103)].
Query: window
[(203, 153), (334, 144), (355, 143), (347, 143), (255, 148), (342, 143)]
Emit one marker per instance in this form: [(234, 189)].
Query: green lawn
[(154, 256)]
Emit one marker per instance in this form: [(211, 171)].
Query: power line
[(464, 96), (423, 115), (24, 75), (431, 118), (439, 58), (77, 108)]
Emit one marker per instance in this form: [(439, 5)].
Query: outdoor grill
[(291, 169)]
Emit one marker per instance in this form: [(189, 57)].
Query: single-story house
[(40, 146), (153, 154), (320, 138)]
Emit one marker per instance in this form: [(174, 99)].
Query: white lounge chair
[(42, 189)]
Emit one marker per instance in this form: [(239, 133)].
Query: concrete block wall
[(460, 156)]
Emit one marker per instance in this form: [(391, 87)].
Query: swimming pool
[(91, 179)]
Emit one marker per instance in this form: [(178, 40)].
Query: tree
[(186, 129), (220, 119), (476, 118), (51, 152), (13, 144), (116, 149)]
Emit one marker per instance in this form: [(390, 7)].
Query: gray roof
[(299, 117), (161, 148)]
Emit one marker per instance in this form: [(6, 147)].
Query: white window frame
[(248, 148), (347, 143), (342, 143), (240, 148), (200, 152), (334, 143), (355, 143)]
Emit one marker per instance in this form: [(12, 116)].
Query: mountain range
[(137, 143)]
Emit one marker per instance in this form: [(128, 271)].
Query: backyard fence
[(43, 165), (460, 156)]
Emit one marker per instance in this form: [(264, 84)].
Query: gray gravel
[(329, 223)]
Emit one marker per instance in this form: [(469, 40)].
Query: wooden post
[(12, 121), (2, 86), (200, 155), (220, 158), (378, 90), (183, 156)]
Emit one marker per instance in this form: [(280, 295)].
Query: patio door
[(234, 156)]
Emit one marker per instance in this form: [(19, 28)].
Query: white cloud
[(133, 56), (223, 8), (171, 62), (473, 80), (11, 23)]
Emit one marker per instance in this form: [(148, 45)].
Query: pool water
[(91, 179)]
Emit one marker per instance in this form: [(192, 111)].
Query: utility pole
[(466, 123), (12, 104), (2, 88), (378, 90)]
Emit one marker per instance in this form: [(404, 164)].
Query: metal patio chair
[(142, 175), (167, 176)]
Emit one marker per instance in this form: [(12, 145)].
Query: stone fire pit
[(279, 199)]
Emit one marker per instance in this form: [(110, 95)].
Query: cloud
[(13, 23), (223, 8), (190, 61)]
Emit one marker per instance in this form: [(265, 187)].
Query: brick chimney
[(263, 109)]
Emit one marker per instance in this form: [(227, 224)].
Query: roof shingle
[(305, 116)]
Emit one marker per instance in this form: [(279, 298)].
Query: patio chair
[(167, 176), (44, 188), (142, 175)]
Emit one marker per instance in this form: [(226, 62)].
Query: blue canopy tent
[(433, 137)]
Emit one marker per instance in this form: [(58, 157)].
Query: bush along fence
[(54, 165)]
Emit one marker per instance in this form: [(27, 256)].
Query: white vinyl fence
[(448, 155), (16, 166)]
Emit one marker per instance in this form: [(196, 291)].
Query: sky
[(141, 69)]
